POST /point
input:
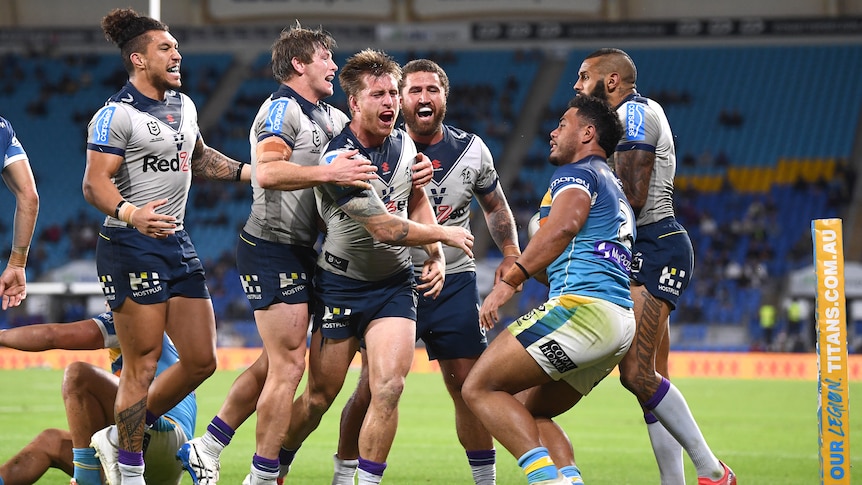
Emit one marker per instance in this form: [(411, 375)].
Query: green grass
[(766, 430)]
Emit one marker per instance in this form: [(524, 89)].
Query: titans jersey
[(12, 149), (463, 166), (184, 413), (597, 262), (349, 250), (647, 128), (156, 140), (290, 216)]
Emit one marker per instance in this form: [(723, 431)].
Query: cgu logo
[(180, 163)]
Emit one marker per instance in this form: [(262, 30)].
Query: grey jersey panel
[(645, 124), (156, 140), (348, 249), (463, 167), (287, 216)]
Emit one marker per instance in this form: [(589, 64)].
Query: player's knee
[(76, 378), (388, 391)]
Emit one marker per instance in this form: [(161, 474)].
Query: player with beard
[(448, 324), (645, 161)]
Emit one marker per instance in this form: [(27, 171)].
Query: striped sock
[(572, 473), (482, 465), (285, 458), (88, 470), (537, 465), (220, 431), (370, 472), (264, 468)]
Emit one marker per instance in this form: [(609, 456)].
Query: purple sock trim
[(269, 465), (650, 418), (372, 467), (659, 395), (221, 430), (151, 418), (481, 457), (131, 458)]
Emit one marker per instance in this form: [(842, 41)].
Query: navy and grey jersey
[(348, 249), (11, 147), (156, 140), (646, 128), (290, 216), (463, 167)]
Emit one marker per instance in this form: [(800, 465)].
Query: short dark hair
[(426, 65), (125, 27), (599, 113)]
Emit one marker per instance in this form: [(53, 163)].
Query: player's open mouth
[(425, 112), (387, 117)]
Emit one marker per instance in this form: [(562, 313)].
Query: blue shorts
[(343, 307), (663, 259), (271, 272), (147, 270), (449, 325)]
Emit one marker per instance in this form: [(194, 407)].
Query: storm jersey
[(463, 166), (646, 128), (12, 149), (290, 216), (156, 140), (348, 249), (597, 262), (184, 413)]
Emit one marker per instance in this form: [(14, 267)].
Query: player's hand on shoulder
[(423, 171), (350, 170)]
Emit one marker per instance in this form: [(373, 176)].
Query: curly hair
[(368, 61)]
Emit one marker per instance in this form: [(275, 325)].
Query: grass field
[(766, 430)]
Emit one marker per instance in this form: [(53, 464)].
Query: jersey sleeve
[(109, 130), (105, 322), (573, 176), (339, 193), (641, 127), (13, 151), (282, 120), (488, 178)]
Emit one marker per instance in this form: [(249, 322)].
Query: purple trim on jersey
[(488, 189)]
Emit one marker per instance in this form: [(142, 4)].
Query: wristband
[(119, 206), (238, 174), (510, 284), (511, 250), (18, 256), (523, 270), (125, 213)]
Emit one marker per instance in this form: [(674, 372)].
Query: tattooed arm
[(211, 164), (634, 169), (501, 225), (367, 208)]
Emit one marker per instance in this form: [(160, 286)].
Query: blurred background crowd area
[(764, 141)]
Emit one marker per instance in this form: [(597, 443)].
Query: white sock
[(345, 470), (668, 454), (212, 445), (132, 474), (366, 478), (674, 414), (260, 477)]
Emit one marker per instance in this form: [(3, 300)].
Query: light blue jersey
[(11, 147), (597, 262), (183, 414)]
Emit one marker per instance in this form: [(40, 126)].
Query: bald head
[(610, 60)]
